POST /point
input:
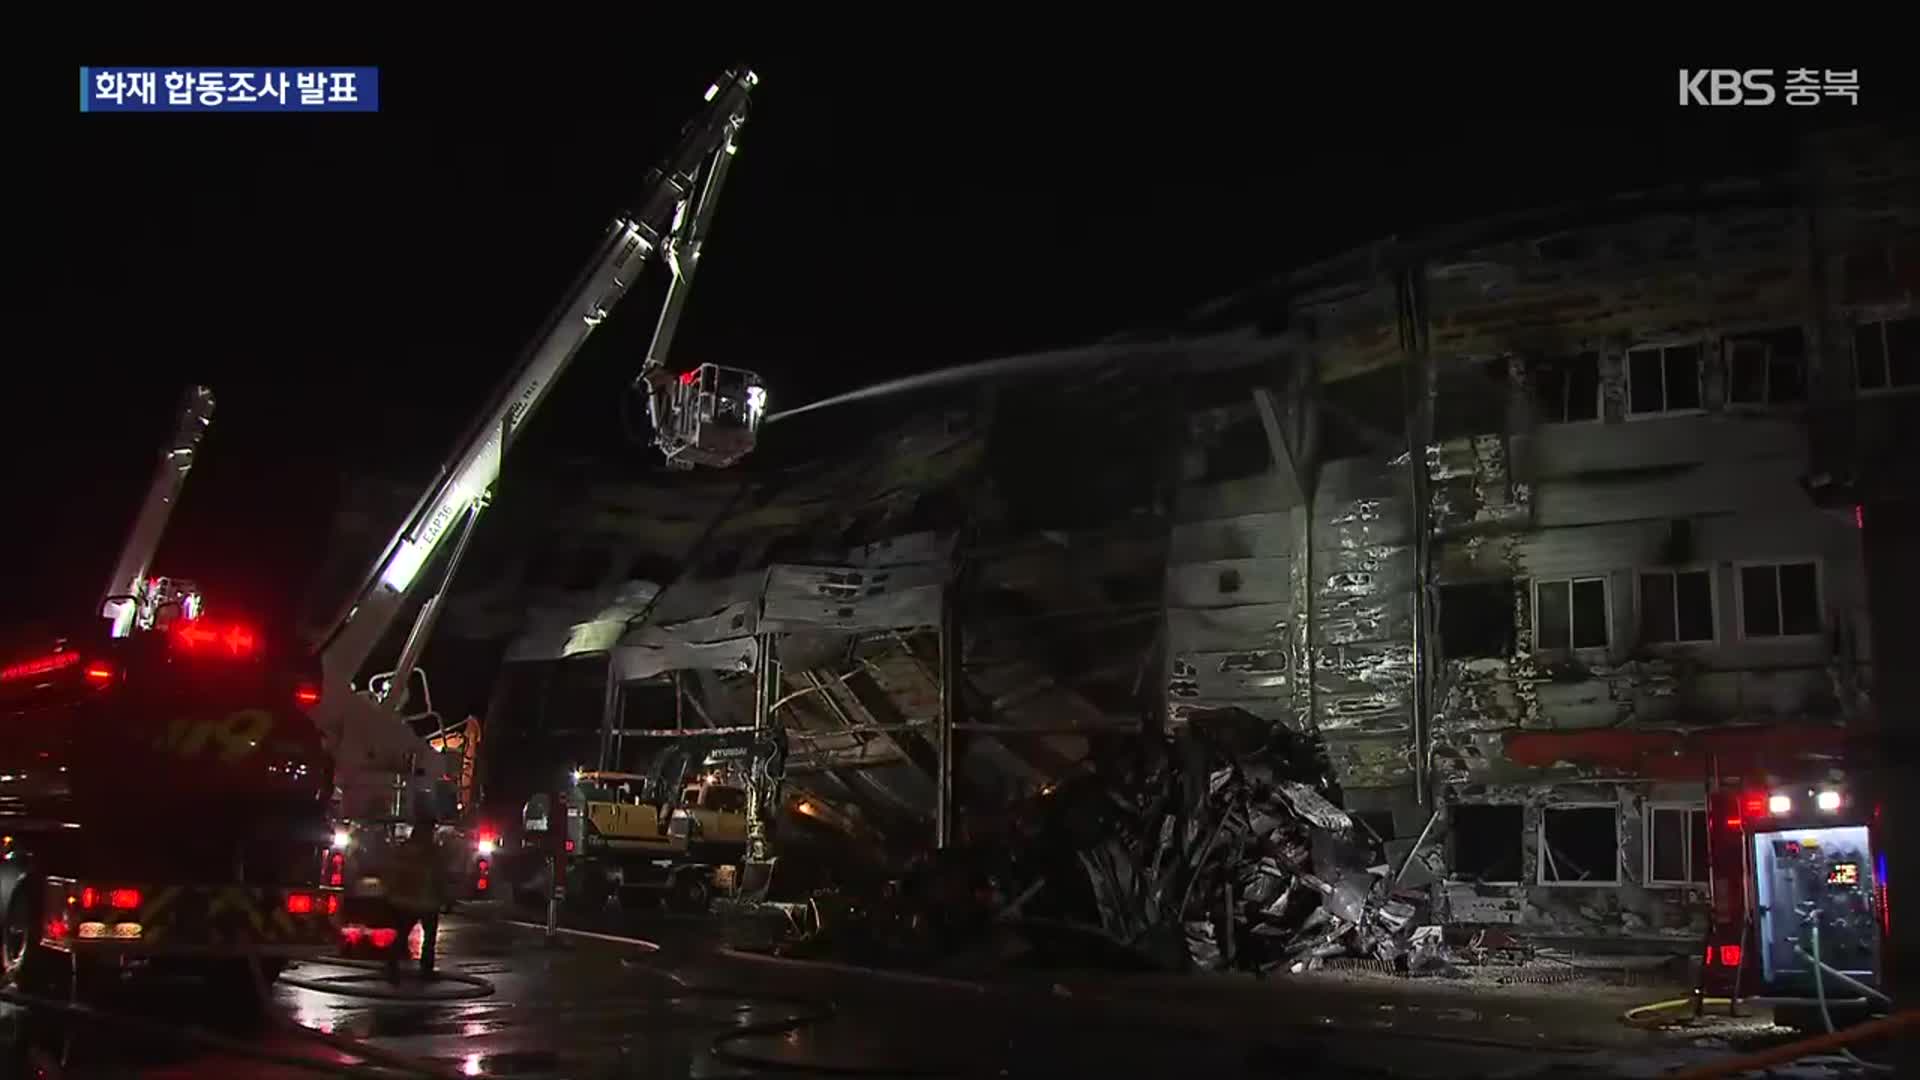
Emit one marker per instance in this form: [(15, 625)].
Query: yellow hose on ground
[(1639, 1013)]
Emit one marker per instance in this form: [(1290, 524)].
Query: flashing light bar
[(41, 665), (205, 638)]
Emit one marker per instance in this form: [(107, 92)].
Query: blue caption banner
[(204, 90)]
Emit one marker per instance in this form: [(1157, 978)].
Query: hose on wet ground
[(473, 987), (206, 1039), (1820, 991)]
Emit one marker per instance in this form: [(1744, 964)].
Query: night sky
[(353, 285)]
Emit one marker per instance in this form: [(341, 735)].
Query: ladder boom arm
[(126, 587), (624, 252)]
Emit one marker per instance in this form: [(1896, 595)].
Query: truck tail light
[(333, 903), (1730, 956), (336, 872), (306, 695), (383, 937), (89, 898), (480, 885), (124, 899), (299, 903), (100, 673), (351, 935)]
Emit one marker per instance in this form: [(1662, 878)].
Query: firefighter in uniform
[(416, 891)]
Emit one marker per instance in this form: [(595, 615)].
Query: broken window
[(1476, 620), (1767, 369), (1470, 398), (1379, 821), (1676, 606), (1780, 600), (1567, 388), (1580, 845), (1236, 452), (1886, 355), (1570, 613), (1663, 378), (1486, 841), (1676, 845)]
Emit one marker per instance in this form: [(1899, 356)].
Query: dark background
[(353, 285)]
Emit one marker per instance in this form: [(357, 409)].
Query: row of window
[(1762, 369), (1578, 844), (1776, 600)]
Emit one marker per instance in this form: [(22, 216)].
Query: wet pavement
[(593, 1007)]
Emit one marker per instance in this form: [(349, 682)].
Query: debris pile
[(1229, 851), (1218, 848)]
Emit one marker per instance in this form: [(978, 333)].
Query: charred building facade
[(1522, 523)]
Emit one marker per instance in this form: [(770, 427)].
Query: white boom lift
[(707, 416), (133, 601)]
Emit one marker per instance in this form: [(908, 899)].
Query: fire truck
[(163, 787), (394, 755), (1798, 880)]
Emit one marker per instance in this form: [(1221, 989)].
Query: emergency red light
[(299, 903), (207, 638), (333, 903), (688, 378), (383, 938), (480, 885), (124, 899), (351, 935), (1754, 805), (1730, 956), (89, 898), (306, 695), (57, 929), (100, 673), (569, 845), (40, 665)]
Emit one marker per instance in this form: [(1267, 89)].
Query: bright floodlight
[(1829, 801), (1779, 804), (485, 846), (341, 838)]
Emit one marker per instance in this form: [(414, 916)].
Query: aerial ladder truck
[(163, 788), (390, 749)]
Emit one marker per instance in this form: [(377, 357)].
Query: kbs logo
[(1727, 86), (1756, 86)]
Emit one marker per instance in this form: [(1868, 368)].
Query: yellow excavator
[(681, 827)]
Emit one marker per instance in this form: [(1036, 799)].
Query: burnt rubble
[(1218, 848)]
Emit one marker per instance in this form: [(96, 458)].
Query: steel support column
[(949, 706), (766, 687)]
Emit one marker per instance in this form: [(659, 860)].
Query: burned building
[(1524, 522)]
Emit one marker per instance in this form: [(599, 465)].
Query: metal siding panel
[(1252, 581), (1247, 536), (1218, 629), (1567, 450), (1233, 674), (1266, 493), (853, 598)]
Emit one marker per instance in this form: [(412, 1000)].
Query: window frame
[(1540, 849), (1453, 875), (1713, 603), (1886, 361), (1819, 598), (1688, 855), (1606, 602), (1599, 389), (1699, 377)]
